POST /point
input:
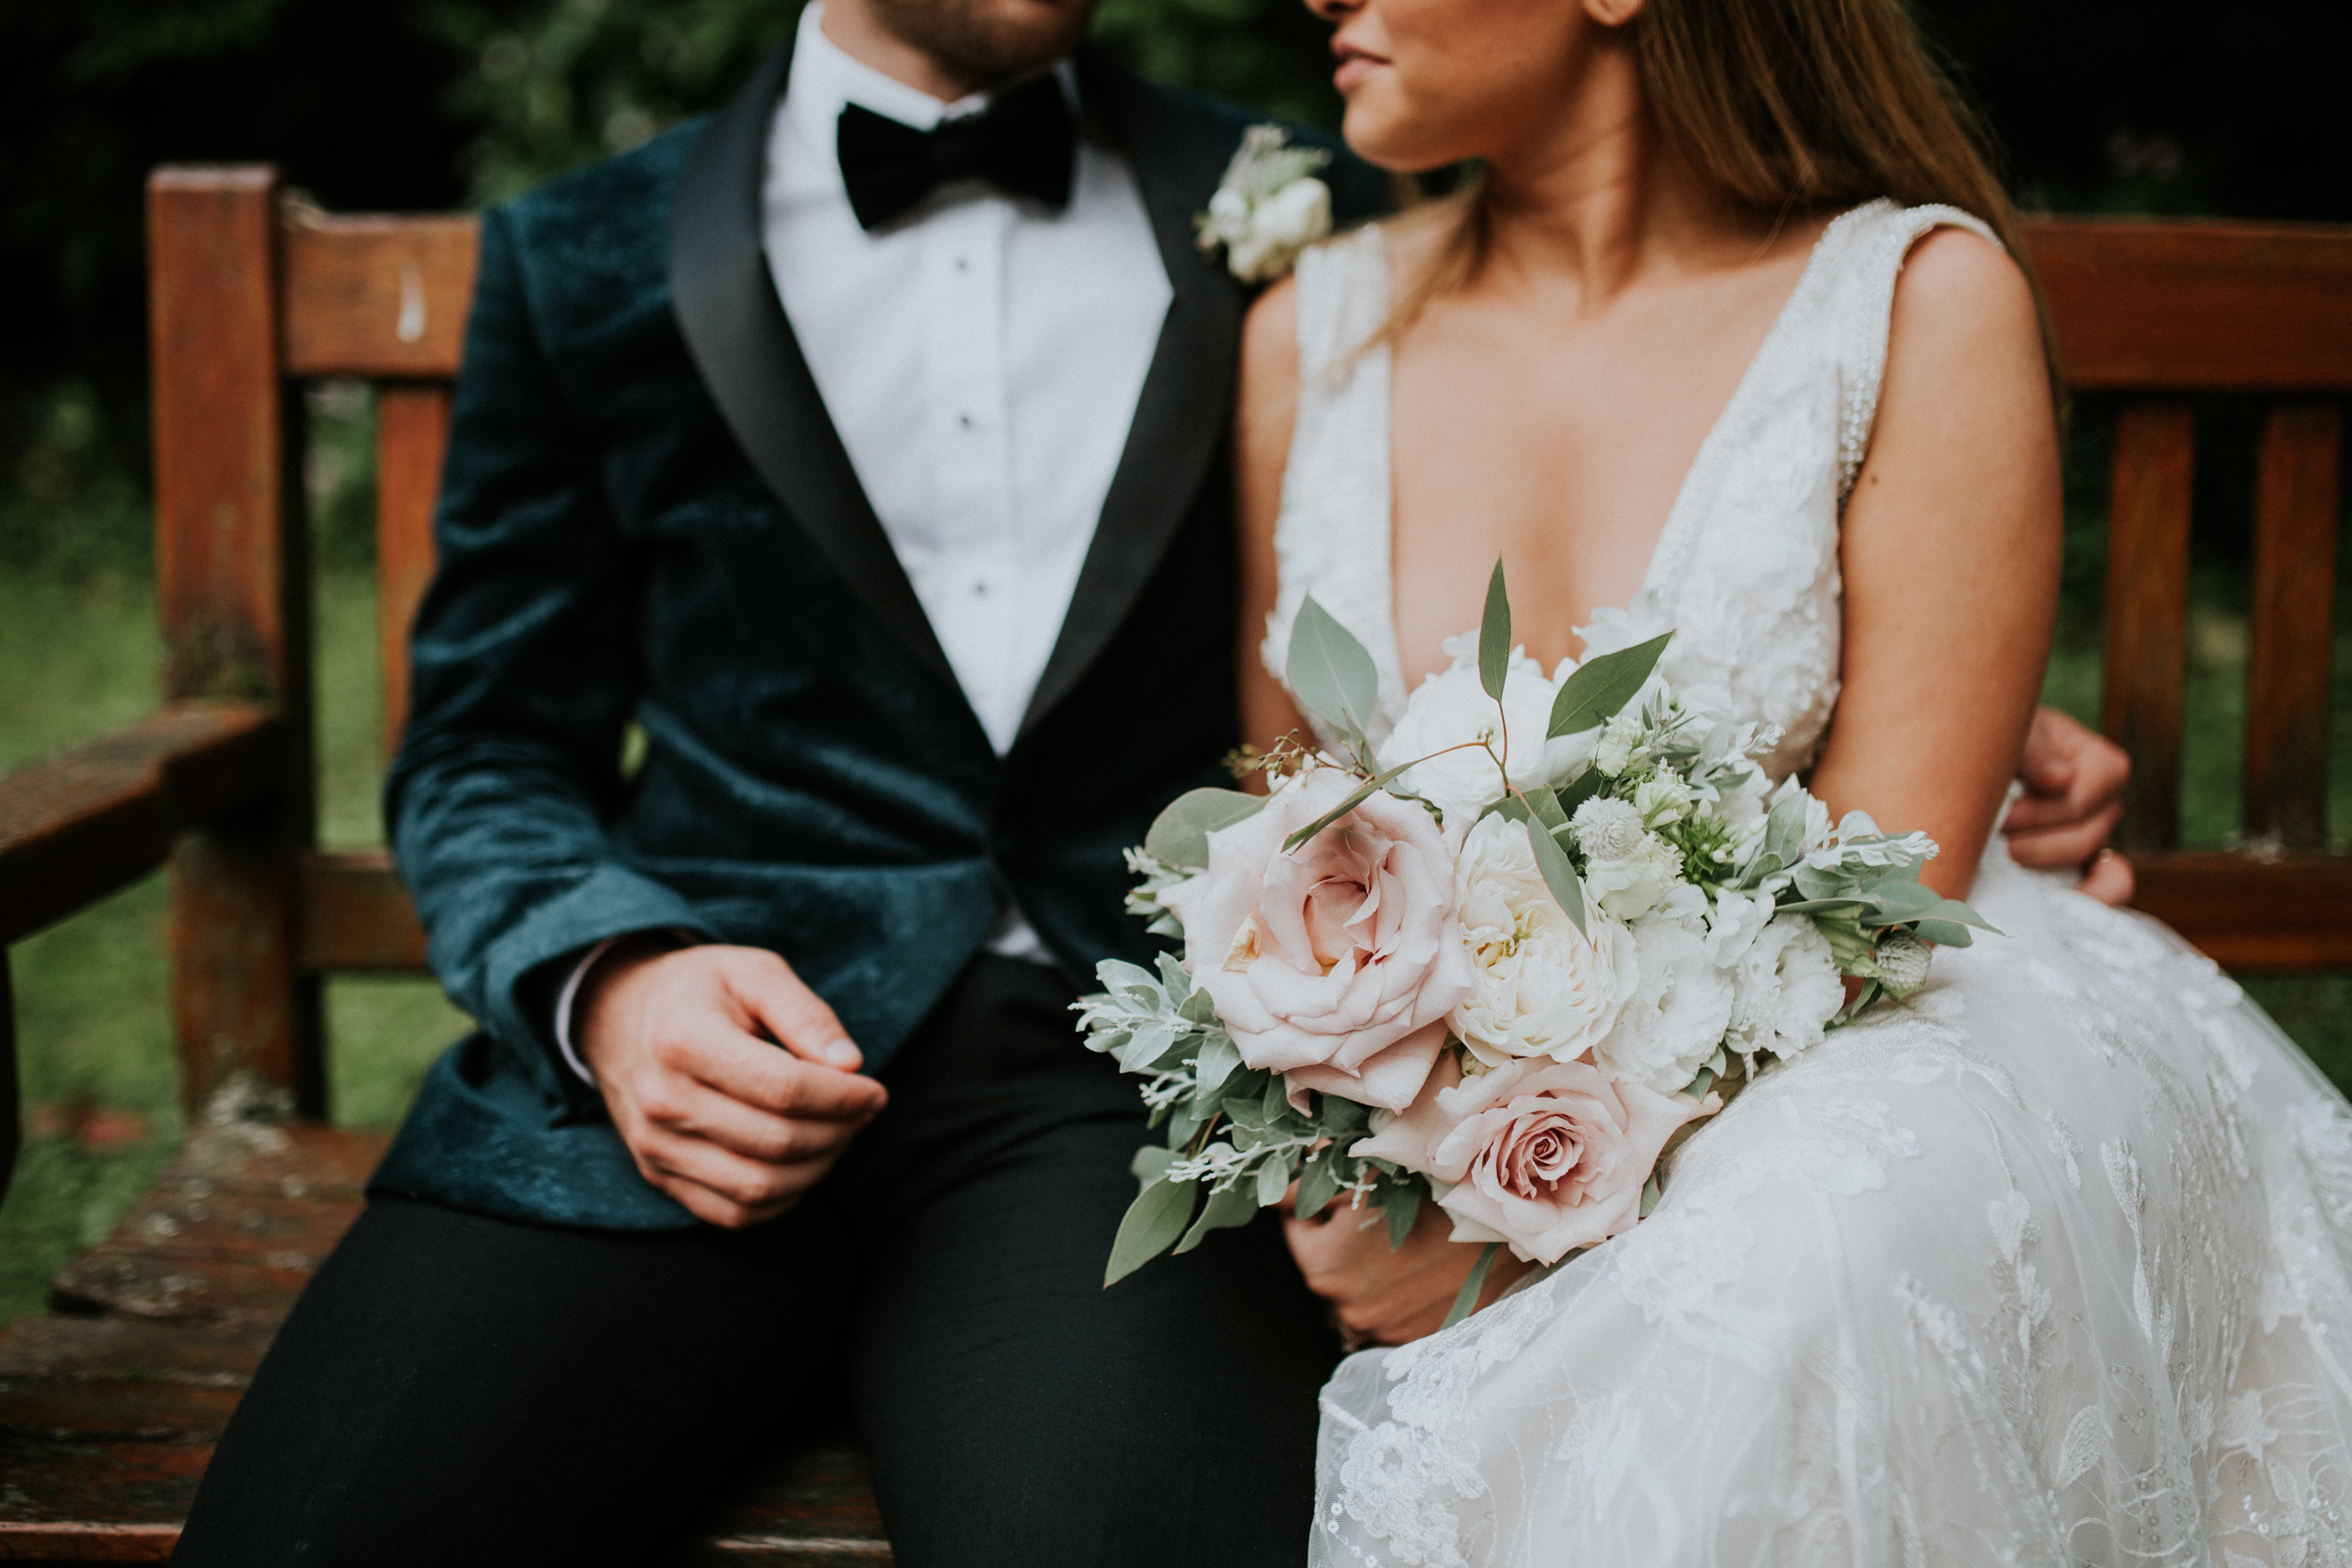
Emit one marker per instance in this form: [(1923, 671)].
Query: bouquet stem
[(1465, 1301)]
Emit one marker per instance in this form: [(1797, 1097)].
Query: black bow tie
[(1023, 143)]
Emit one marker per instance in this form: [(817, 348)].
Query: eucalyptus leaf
[(1559, 873), (1784, 830), (1402, 1203), (1150, 1163), (1329, 671), (1578, 790), (1157, 1217), (1946, 934), (1466, 1299), (1273, 1181), (1217, 1059), (1237, 1205), (1495, 636), (1593, 695), (1318, 1183), (1179, 835)]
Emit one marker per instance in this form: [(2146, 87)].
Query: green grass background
[(79, 658)]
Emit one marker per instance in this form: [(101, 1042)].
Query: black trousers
[(453, 1389)]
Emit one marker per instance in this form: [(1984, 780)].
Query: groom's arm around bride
[(865, 447)]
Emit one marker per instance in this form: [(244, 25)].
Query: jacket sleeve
[(527, 659)]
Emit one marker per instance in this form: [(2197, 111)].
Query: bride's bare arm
[(1950, 556), (1262, 420)]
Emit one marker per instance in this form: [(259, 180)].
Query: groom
[(864, 448)]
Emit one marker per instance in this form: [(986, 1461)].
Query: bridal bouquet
[(1500, 958)]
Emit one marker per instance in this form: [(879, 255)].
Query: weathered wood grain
[(2253, 913), (373, 295), (233, 592), (411, 436), (78, 824), (2147, 610), (231, 1232), (2175, 305), (2290, 672)]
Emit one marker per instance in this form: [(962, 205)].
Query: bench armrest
[(76, 826)]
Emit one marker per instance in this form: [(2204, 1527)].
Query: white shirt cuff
[(563, 1001)]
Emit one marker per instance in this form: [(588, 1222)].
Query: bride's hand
[(2073, 797), (1384, 1296)]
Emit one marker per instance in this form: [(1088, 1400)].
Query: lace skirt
[(2052, 1266)]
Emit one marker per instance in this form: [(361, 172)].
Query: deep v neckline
[(1712, 447)]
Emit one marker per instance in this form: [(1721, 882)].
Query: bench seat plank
[(107, 1418)]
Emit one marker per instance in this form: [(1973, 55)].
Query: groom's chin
[(988, 40)]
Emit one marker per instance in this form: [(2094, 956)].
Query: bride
[(2049, 1266)]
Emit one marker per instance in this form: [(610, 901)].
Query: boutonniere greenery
[(1267, 208)]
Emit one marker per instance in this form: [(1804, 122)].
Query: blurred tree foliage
[(2114, 105)]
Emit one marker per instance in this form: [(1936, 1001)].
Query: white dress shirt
[(981, 358)]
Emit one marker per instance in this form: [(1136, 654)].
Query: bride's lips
[(1356, 66)]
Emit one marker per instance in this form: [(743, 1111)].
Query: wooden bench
[(108, 1407)]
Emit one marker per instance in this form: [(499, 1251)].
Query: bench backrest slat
[(412, 436), (2289, 682), (376, 297), (2149, 493)]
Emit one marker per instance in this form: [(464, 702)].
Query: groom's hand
[(715, 1115), (2073, 797), (1380, 1295)]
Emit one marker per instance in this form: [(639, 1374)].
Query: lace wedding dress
[(2053, 1264)]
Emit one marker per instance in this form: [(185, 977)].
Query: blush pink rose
[(1547, 1156), (1334, 963)]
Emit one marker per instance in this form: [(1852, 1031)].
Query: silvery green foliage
[(1157, 1027), (1153, 878)]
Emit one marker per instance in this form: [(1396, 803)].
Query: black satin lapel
[(734, 326), (1187, 397)]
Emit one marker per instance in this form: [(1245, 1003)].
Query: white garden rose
[(1539, 985), (1637, 883), (1451, 709), (1785, 990), (1676, 1018)]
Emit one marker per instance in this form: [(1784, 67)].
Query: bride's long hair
[(1795, 105)]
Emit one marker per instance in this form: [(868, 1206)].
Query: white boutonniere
[(1267, 208)]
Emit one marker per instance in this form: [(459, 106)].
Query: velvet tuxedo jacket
[(646, 514)]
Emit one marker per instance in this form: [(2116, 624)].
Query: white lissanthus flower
[(1620, 738), (1607, 829), (1632, 886), (1786, 989), (1450, 713), (1664, 797), (1903, 961), (1676, 1018), (1539, 987)]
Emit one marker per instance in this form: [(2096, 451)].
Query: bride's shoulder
[(1959, 291)]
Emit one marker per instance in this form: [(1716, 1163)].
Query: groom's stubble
[(986, 42)]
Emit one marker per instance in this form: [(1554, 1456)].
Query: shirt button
[(964, 420), (963, 264)]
